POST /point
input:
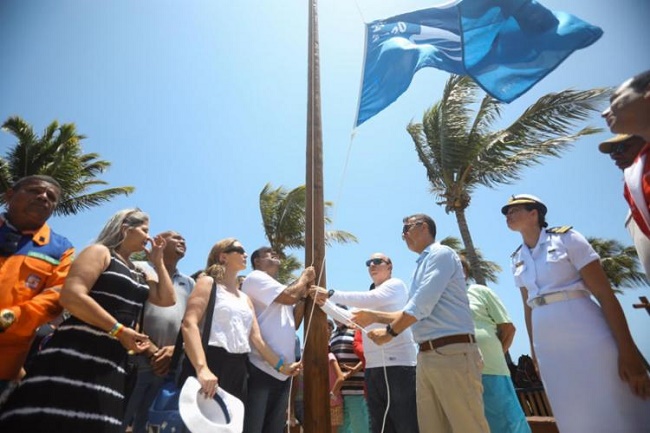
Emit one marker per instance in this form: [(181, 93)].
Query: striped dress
[(76, 383)]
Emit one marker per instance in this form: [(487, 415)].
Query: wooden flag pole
[(316, 383)]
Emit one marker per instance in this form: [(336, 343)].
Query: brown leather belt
[(444, 341)]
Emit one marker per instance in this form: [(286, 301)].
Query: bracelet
[(279, 365), (391, 331), (116, 329)]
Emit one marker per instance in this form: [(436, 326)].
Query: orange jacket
[(30, 282)]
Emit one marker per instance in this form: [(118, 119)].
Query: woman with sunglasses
[(593, 374), (77, 382), (234, 326)]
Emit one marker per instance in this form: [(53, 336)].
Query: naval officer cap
[(525, 199)]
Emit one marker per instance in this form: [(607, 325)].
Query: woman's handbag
[(163, 414)]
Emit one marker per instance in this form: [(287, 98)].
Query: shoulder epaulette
[(559, 230), (512, 256)]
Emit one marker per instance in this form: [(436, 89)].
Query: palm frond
[(57, 153)]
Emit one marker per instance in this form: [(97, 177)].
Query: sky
[(198, 104)]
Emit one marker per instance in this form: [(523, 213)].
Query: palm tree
[(461, 152), (621, 263), (488, 269), (57, 153), (283, 216)]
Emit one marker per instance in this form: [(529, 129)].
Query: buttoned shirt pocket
[(34, 274), (556, 254)]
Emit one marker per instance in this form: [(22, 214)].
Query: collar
[(544, 238), (425, 252), (40, 236)]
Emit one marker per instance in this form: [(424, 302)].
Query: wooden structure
[(537, 410), (316, 384)]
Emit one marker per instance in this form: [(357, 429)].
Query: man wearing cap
[(268, 390), (34, 261), (448, 373), (629, 113), (629, 153), (390, 370)]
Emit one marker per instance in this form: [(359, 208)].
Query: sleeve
[(433, 279), (387, 293), (495, 308), (357, 346), (43, 307), (148, 271), (262, 288), (579, 250)]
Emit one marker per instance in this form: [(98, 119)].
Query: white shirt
[(231, 322), (554, 264), (275, 320), (391, 295)]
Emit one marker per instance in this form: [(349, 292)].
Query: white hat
[(223, 413)]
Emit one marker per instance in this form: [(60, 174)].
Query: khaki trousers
[(449, 390)]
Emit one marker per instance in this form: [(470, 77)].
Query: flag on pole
[(505, 46)]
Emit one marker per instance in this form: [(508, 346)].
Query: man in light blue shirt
[(449, 364)]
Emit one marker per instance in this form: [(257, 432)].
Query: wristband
[(116, 329), (279, 365), (391, 331)]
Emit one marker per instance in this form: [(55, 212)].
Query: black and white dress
[(76, 383)]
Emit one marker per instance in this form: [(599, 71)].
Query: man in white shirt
[(398, 356), (279, 310)]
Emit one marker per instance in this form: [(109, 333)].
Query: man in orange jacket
[(34, 262)]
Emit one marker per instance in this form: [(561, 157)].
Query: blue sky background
[(198, 104)]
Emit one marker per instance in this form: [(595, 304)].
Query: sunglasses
[(407, 227), (375, 262), (239, 250), (619, 148), (9, 243)]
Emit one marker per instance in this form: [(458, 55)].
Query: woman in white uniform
[(593, 374)]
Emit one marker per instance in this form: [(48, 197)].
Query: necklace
[(121, 258)]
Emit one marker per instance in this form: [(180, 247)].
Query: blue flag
[(505, 46)]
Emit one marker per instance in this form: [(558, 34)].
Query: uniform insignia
[(33, 281), (560, 230), (512, 256)]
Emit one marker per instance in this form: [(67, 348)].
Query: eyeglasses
[(9, 243), (375, 262), (407, 227), (239, 250)]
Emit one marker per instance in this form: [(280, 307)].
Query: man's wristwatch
[(391, 331), (7, 318), (330, 292)]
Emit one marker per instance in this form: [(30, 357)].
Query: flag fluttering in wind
[(506, 46)]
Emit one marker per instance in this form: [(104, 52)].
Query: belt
[(444, 341), (557, 297)]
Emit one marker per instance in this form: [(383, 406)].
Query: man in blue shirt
[(449, 364)]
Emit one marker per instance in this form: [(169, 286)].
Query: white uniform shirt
[(553, 265), (276, 320), (391, 295)]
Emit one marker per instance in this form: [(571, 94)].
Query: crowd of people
[(430, 357)]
